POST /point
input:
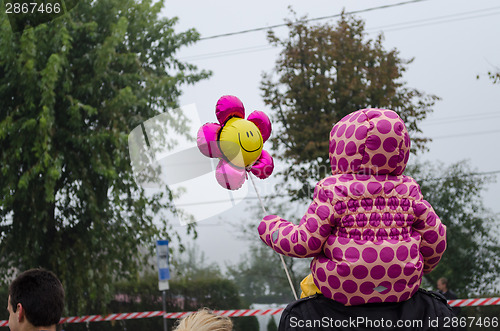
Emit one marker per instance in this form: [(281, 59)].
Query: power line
[(402, 26), (439, 18), (470, 117), (484, 173), (228, 52), (460, 135), (310, 20), (444, 21), (226, 200)]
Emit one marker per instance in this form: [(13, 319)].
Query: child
[(371, 234)]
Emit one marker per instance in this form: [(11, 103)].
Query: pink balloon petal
[(229, 177), (207, 140), (264, 166), (229, 106), (263, 123)]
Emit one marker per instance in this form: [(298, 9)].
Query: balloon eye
[(248, 135), (251, 133)]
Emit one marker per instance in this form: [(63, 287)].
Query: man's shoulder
[(450, 295), (317, 313)]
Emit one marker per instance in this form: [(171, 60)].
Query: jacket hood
[(370, 141)]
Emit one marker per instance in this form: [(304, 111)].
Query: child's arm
[(433, 234), (307, 238)]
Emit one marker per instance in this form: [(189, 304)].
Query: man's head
[(36, 297), (442, 284)]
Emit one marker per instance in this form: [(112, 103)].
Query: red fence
[(235, 312)]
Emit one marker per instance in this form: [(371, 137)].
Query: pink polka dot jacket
[(370, 232)]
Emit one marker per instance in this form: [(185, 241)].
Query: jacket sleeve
[(432, 232), (307, 238)]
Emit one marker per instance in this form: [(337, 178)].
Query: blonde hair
[(204, 320)]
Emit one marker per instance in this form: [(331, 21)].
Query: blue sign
[(163, 266)]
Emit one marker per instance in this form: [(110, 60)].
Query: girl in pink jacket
[(371, 234)]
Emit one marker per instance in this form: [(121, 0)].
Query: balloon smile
[(237, 142), (247, 150)]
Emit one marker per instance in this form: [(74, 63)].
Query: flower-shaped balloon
[(238, 142)]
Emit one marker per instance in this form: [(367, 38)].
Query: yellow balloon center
[(241, 142)]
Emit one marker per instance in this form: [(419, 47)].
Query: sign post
[(163, 273)]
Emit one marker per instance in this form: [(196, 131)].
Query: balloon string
[(281, 256), (258, 196)]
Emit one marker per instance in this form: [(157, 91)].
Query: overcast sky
[(452, 42)]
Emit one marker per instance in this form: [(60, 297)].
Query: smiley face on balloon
[(237, 142)]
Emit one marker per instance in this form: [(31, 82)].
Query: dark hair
[(41, 294), (444, 281)]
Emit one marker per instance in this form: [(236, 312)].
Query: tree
[(71, 90), (197, 282), (271, 325), (192, 264), (139, 295), (214, 292), (259, 274), (261, 279), (325, 72), (471, 261), (493, 75)]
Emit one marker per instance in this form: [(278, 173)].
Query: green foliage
[(261, 279), (142, 294), (4, 294), (471, 261), (271, 326), (200, 283), (480, 318), (71, 90), (32, 13), (137, 295), (192, 264), (213, 292), (493, 75), (325, 72)]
